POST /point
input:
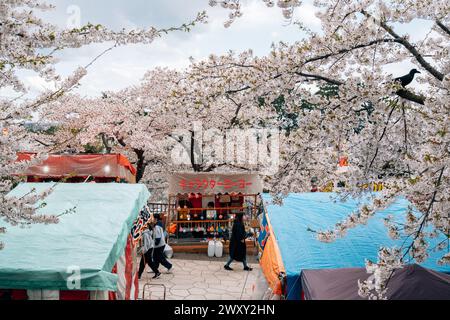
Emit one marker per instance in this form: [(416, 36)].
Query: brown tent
[(412, 282)]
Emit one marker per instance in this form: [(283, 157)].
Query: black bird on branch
[(407, 78), (404, 93)]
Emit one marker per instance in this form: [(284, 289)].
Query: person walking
[(160, 244), (148, 252), (159, 221), (238, 248)]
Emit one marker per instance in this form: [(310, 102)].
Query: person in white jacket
[(148, 246), (160, 243)]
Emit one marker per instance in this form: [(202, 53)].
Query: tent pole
[(168, 218)]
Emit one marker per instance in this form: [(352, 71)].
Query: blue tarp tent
[(300, 250)]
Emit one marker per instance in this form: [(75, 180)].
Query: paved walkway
[(197, 277)]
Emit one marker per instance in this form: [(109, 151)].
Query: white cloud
[(37, 84), (307, 15), (125, 66)]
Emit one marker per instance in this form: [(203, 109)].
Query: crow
[(408, 78)]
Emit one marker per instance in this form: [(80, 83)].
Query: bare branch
[(408, 95), (359, 46), (438, 75), (443, 27), (319, 77)]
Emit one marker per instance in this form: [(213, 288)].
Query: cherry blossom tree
[(399, 134), (27, 42), (234, 6), (331, 93), (169, 111)]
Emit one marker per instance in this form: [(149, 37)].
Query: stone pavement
[(197, 277)]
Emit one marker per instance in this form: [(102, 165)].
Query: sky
[(257, 29)]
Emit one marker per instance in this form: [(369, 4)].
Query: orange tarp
[(271, 262), (272, 265), (123, 161), (81, 165), (343, 161)]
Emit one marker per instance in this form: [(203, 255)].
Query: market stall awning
[(300, 250), (89, 240), (214, 183), (81, 165), (412, 282)]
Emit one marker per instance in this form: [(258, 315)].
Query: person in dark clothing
[(148, 250), (159, 221), (238, 249)]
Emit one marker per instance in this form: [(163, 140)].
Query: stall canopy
[(214, 183), (89, 240), (300, 250), (114, 166), (412, 282)]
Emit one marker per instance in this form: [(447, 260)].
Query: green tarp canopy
[(91, 239)]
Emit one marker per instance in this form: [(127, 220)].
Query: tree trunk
[(106, 144), (140, 164), (195, 166)]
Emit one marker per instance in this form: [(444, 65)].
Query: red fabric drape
[(100, 166), (74, 295), (19, 294)]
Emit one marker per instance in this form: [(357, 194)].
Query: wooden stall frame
[(172, 210)]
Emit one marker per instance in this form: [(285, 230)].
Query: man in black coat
[(238, 248)]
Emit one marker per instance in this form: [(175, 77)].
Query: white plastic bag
[(168, 251), (211, 248), (218, 251)]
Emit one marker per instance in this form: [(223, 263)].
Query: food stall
[(202, 206), (79, 168)]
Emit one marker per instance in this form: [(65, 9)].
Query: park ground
[(198, 277)]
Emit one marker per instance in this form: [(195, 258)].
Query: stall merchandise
[(204, 204)]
